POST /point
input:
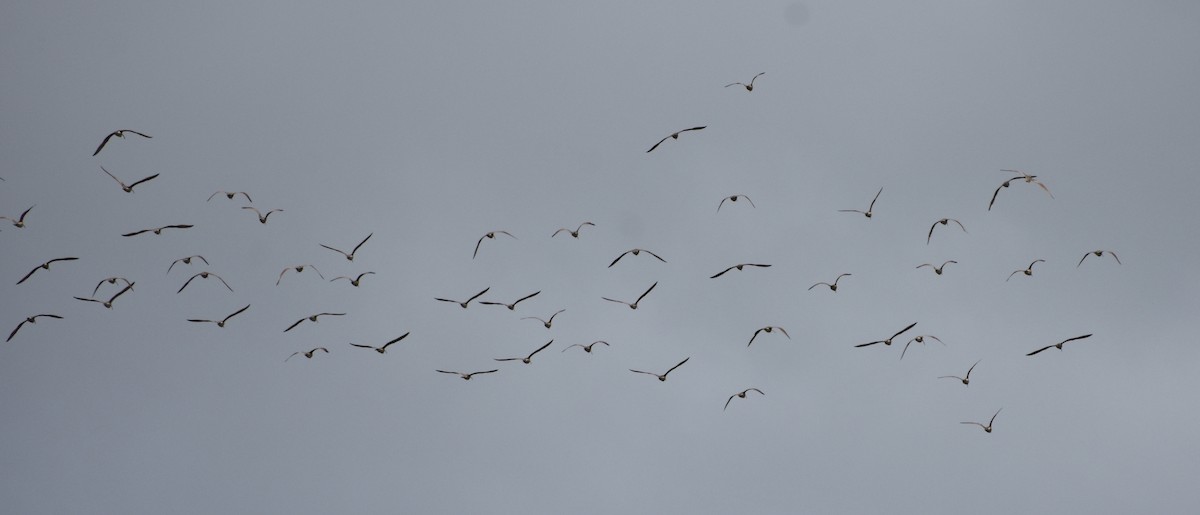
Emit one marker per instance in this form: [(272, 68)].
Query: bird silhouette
[(350, 256), (157, 230), (514, 303), (734, 198), (29, 320), (548, 322), (586, 348), (889, 340), (768, 329), (741, 395), (186, 261), (383, 348), (575, 233), (467, 377), (1027, 270), (19, 222), (45, 266), (127, 188), (490, 236), (988, 427), (635, 303), (832, 287), (230, 194), (943, 221), (109, 280), (204, 275), (921, 340), (750, 86), (635, 252), (109, 303), (298, 269), (674, 135), (663, 376), (221, 323), (307, 354), (936, 269), (528, 358), (468, 301), (262, 219), (737, 267), (870, 209), (965, 379), (119, 134), (1098, 253), (312, 318), (353, 281), (1059, 344)]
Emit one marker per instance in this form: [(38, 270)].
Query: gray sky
[(429, 124)]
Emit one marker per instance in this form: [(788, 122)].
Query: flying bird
[(45, 266), (528, 358), (944, 221), (1024, 176), (545, 322), (937, 269), (230, 194), (312, 318), (383, 348), (734, 198), (674, 135), (662, 377), (158, 230), (575, 233), (514, 303), (921, 340), (221, 323), (28, 320), (467, 377), (739, 267), (308, 354), (635, 252), (262, 219), (768, 329), (889, 340), (119, 134), (186, 261), (127, 188), (588, 347), (468, 301), (1027, 270), (1059, 344), (109, 280), (750, 86), (204, 275), (350, 256), (870, 209), (109, 303), (965, 379), (741, 395), (988, 427), (491, 235), (635, 303), (298, 269), (19, 222), (832, 287), (1099, 253), (353, 281)]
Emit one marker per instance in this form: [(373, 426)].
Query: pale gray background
[(430, 123)]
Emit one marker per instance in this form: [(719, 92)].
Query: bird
[(1027, 270), (588, 347), (944, 221), (750, 86), (514, 303), (988, 427), (921, 340), (937, 269), (739, 267), (298, 269), (889, 340), (965, 379), (528, 358), (1059, 344), (119, 134), (734, 198), (221, 323), (204, 275), (467, 377), (19, 222), (109, 303), (1098, 253), (109, 280), (158, 230), (350, 256), (262, 219), (575, 233), (635, 303), (545, 322), (490, 235), (383, 348), (468, 301), (186, 261), (870, 209), (674, 135), (127, 188), (29, 320), (230, 194), (636, 252), (662, 377), (45, 266), (353, 281), (1024, 176), (312, 318), (768, 329), (832, 287), (308, 354), (741, 395)]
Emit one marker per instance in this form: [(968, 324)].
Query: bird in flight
[(768, 329), (186, 261), (514, 303), (575, 233), (870, 209), (635, 303), (937, 269), (663, 376), (832, 287), (1059, 344), (19, 222), (467, 377), (262, 219), (528, 358), (383, 348), (889, 340), (230, 194), (944, 221), (1027, 270), (158, 230), (588, 347), (734, 198), (221, 323), (741, 395), (965, 379), (45, 266), (1024, 176), (109, 280), (350, 256), (738, 267), (28, 320), (988, 427), (312, 318), (128, 188), (491, 235), (750, 86), (109, 303), (298, 269), (118, 134), (921, 340), (353, 281), (544, 322), (674, 135), (308, 354), (635, 252), (1098, 253), (468, 301), (204, 275)]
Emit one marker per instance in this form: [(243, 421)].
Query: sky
[(429, 124)]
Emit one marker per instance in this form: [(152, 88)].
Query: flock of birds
[(122, 285)]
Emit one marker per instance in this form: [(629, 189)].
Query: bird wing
[(1114, 255), (754, 336), (995, 194), (554, 315), (236, 313), (333, 249), (484, 372), (736, 83), (449, 372), (729, 401), (222, 280), (539, 349), (641, 372), (122, 292), (685, 360), (785, 333), (405, 335), (292, 356), (293, 326), (910, 326), (359, 243), (656, 145), (1075, 338), (526, 297), (869, 343), (1085, 255), (960, 225), (559, 230), (276, 281), (719, 274), (14, 331), (102, 143), (930, 236), (135, 132), (114, 177), (477, 244), (721, 204), (994, 417), (618, 258), (639, 299), (970, 369), (210, 197), (751, 202), (615, 300), (143, 180), (198, 320), (1039, 350), (655, 255), (1015, 272), (189, 281), (28, 275), (872, 206), (363, 346), (135, 233), (818, 284), (507, 359)]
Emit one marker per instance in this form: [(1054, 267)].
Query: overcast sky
[(429, 124)]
